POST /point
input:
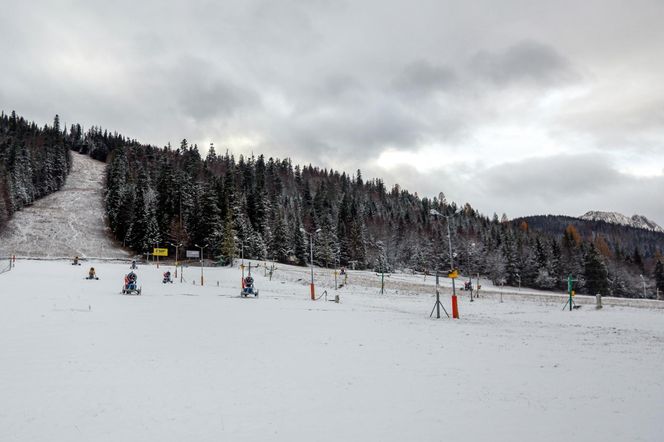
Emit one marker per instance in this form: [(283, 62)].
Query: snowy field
[(69, 221), (81, 362)]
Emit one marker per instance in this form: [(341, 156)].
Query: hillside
[(67, 223), (622, 239)]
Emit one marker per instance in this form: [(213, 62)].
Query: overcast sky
[(521, 107)]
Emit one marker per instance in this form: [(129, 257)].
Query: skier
[(133, 265), (75, 263), (167, 277)]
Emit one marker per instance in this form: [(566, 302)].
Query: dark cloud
[(422, 77), (527, 62), (206, 91)]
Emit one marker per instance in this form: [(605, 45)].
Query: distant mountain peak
[(637, 221)]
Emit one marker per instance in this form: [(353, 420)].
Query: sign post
[(159, 252)]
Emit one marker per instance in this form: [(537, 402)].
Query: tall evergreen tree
[(596, 274)]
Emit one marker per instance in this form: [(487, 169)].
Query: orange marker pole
[(455, 307)]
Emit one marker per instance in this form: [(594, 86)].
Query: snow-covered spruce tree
[(326, 248), (211, 226), (659, 278), (381, 264), (595, 273), (280, 247), (143, 233), (299, 240), (509, 250), (118, 194)]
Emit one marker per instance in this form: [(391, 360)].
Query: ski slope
[(80, 362), (67, 223)]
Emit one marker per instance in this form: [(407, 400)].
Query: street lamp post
[(242, 257), (455, 308), (201, 247), (177, 247), (311, 260)]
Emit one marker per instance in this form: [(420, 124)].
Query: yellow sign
[(160, 252), (453, 274)]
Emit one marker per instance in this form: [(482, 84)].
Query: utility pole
[(311, 259), (455, 305), (201, 247)]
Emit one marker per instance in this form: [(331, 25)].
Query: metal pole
[(569, 289), (313, 292), (455, 307), (201, 266), (449, 240), (437, 297)]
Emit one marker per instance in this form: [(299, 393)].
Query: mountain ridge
[(636, 221)]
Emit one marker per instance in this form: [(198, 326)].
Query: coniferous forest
[(261, 207)]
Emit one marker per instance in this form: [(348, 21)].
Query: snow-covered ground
[(81, 362), (68, 222)]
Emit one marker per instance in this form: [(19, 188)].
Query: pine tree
[(299, 243), (228, 247), (326, 249), (595, 272), (280, 246), (381, 264), (143, 232), (659, 278)]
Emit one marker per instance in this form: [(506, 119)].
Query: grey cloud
[(525, 62), (556, 177), (215, 97), (204, 89), (422, 77)]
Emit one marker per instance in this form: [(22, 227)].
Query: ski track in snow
[(67, 223)]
